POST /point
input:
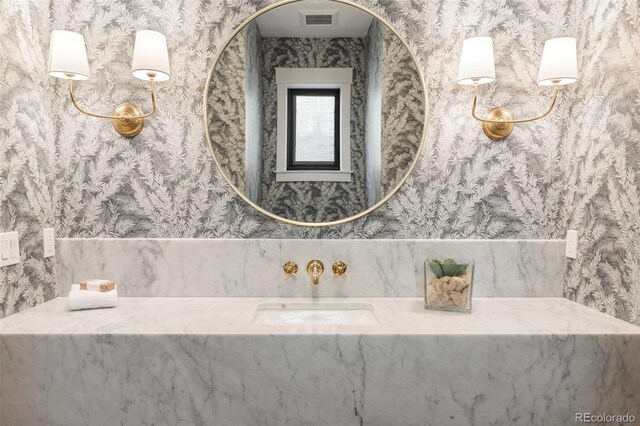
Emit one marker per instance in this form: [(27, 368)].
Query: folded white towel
[(82, 299)]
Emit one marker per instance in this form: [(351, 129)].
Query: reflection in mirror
[(315, 111)]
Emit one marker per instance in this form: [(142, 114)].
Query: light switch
[(48, 242), (571, 247), (10, 248)]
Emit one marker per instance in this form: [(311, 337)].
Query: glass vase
[(448, 284)]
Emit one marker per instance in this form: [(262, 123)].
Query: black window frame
[(291, 130)]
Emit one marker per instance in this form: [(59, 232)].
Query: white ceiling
[(286, 20)]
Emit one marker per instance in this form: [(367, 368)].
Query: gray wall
[(579, 168), (253, 107), (313, 201), (373, 113)]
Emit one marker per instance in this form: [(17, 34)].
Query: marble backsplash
[(253, 267)]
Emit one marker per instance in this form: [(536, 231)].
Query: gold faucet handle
[(339, 269), (290, 269)]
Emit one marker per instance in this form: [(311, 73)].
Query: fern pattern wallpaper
[(578, 169), (27, 144), (226, 111), (394, 102), (313, 201), (402, 111)]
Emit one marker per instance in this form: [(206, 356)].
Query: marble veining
[(377, 268), (513, 361), (234, 315)]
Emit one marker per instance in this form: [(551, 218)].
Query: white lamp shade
[(68, 56), (150, 57), (559, 64), (476, 61)]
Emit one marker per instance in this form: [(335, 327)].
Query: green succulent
[(447, 268)]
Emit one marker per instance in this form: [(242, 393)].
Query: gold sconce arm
[(498, 124), (127, 119)]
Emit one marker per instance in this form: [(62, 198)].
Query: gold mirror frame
[(295, 222)]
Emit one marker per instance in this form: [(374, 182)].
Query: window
[(313, 129), (314, 124)]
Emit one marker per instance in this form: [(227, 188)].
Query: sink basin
[(315, 313)]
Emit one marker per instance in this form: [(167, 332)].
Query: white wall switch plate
[(49, 242), (571, 248), (9, 249)]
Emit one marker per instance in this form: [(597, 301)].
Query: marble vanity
[(312, 116), (197, 360), (195, 357)]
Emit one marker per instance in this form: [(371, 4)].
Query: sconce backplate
[(128, 127), (498, 131)]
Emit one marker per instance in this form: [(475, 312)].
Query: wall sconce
[(68, 61), (559, 66)]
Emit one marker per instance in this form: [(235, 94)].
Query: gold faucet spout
[(315, 268)]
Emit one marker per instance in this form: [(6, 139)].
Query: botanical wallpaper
[(234, 111), (394, 112), (403, 106), (27, 143), (600, 153), (313, 201), (226, 112), (577, 169), (387, 113)]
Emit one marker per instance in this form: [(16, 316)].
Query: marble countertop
[(234, 315)]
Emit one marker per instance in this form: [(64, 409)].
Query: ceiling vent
[(315, 18), (318, 19)]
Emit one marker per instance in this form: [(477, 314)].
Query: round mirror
[(315, 111)]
